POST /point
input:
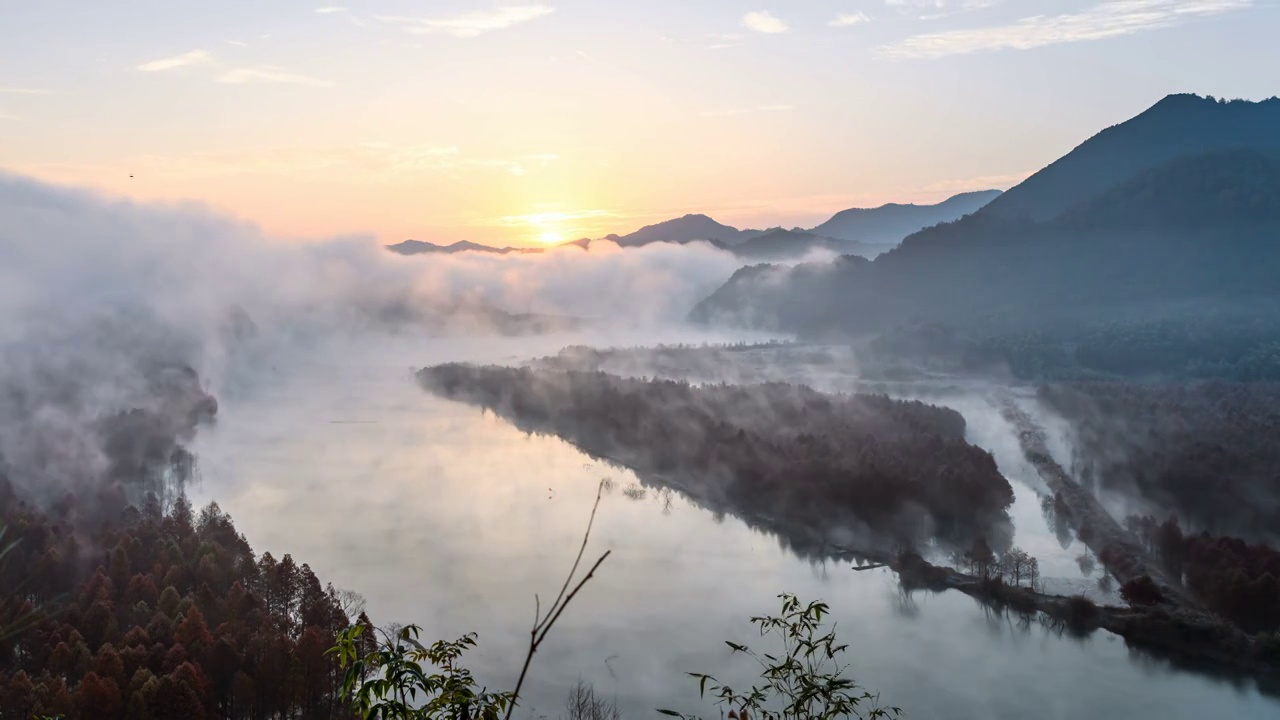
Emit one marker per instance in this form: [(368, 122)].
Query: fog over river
[(452, 519)]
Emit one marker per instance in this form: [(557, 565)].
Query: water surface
[(447, 517)]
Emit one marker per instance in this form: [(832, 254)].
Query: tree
[(981, 557), (1141, 590), (98, 698), (582, 704), (803, 678), (1172, 547)]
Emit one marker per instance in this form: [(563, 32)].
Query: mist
[(97, 294)]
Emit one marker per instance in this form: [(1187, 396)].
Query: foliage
[(1141, 590), (806, 458), (805, 681), (162, 614), (386, 680), (390, 683), (1207, 452)]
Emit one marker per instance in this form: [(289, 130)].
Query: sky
[(528, 121)]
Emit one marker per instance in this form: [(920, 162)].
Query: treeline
[(1238, 580), (899, 469), (1233, 346), (158, 615), (1210, 453)]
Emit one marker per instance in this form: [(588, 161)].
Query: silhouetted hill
[(681, 230), (780, 244), (889, 224), (418, 247), (1193, 245), (1177, 126)]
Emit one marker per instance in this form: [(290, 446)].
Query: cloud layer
[(1104, 20), (472, 24)]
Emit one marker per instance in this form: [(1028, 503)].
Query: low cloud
[(472, 24), (232, 75), (330, 9), (849, 19), (763, 21), (195, 57), (268, 74), (24, 91), (1104, 20)]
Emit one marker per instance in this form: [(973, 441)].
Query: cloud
[(762, 21), (848, 19), (237, 43), (330, 9), (8, 116), (232, 75), (195, 57), (1104, 20), (775, 108), (268, 74), (469, 25), (24, 91)]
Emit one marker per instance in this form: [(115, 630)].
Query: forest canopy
[(866, 465)]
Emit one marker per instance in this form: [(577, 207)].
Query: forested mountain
[(780, 244), (1177, 126), (1193, 240), (889, 224)]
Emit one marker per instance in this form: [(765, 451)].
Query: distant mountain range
[(857, 231), (1174, 212), (889, 224), (417, 247)]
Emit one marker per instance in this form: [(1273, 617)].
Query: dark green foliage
[(393, 682), (803, 678)]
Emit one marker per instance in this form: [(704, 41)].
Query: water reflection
[(453, 519)]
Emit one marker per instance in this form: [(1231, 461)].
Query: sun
[(551, 237)]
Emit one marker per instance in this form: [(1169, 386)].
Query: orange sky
[(524, 122)]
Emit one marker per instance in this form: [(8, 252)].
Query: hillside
[(889, 224), (1177, 126), (1190, 245), (780, 244)]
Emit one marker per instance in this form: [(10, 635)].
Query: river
[(453, 519)]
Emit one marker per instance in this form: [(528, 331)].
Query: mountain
[(1177, 126), (888, 224), (682, 230), (418, 247), (780, 244), (1145, 272)]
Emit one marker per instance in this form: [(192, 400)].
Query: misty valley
[(1022, 449)]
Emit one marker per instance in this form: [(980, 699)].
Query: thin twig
[(542, 625), (582, 549)]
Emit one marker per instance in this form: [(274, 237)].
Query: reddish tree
[(1141, 591), (98, 698)]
